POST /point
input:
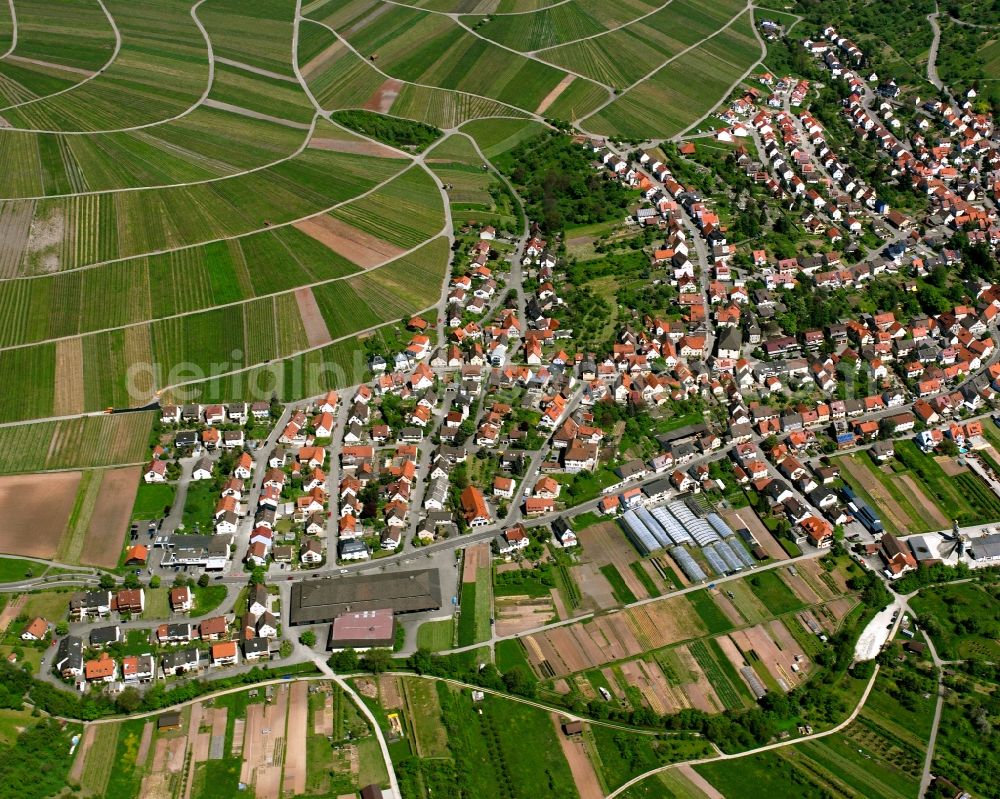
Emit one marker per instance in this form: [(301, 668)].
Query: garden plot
[(355, 245), (647, 677), (263, 754), (604, 544), (747, 518), (515, 614), (757, 645), (594, 586)]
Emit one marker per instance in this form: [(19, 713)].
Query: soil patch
[(605, 544), (699, 782), (558, 89), (76, 772), (312, 318), (321, 59), (594, 586), (263, 752), (390, 696), (475, 556), (950, 465), (517, 614), (295, 761), (144, 742), (384, 96), (355, 245), (110, 518), (34, 512), (358, 147), (69, 389), (11, 612)]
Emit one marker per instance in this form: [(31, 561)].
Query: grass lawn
[(467, 618), (436, 635), (151, 499), (510, 654), (12, 722), (206, 599), (619, 590), (643, 576), (777, 596), (199, 505), (157, 603), (50, 605), (372, 765), (761, 776), (425, 717), (13, 570)]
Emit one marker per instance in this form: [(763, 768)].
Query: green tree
[(203, 581), (344, 661), (308, 638), (377, 660), (62, 628), (154, 581), (286, 649), (107, 582)]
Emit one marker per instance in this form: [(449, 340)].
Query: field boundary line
[(387, 76), (272, 295), (13, 29), (145, 125), (108, 63), (749, 7), (604, 32)]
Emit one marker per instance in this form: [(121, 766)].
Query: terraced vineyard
[(172, 191)]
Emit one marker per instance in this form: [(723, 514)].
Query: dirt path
[(144, 742), (76, 772), (246, 112), (575, 752), (317, 333), (87, 73), (551, 97)]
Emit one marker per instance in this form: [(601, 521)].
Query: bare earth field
[(355, 245), (109, 522), (389, 693), (69, 388), (475, 556), (594, 586), (515, 614), (605, 543), (886, 502), (551, 97), (384, 96), (295, 746), (921, 502), (262, 752), (34, 511), (9, 613), (312, 318)]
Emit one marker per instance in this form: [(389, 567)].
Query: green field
[(436, 635), (963, 620), (964, 496), (151, 499), (776, 596), (621, 592), (710, 613), (477, 607)]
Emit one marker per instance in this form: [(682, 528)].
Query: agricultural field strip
[(760, 749), (387, 76), (243, 235), (108, 63), (648, 600), (707, 637), (13, 29), (218, 179), (271, 295), (347, 336), (738, 80), (673, 58), (604, 32), (197, 104)]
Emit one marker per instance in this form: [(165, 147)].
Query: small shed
[(572, 727), (169, 721)]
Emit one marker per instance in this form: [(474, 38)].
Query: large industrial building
[(322, 601)]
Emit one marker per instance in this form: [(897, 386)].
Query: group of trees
[(556, 179)]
